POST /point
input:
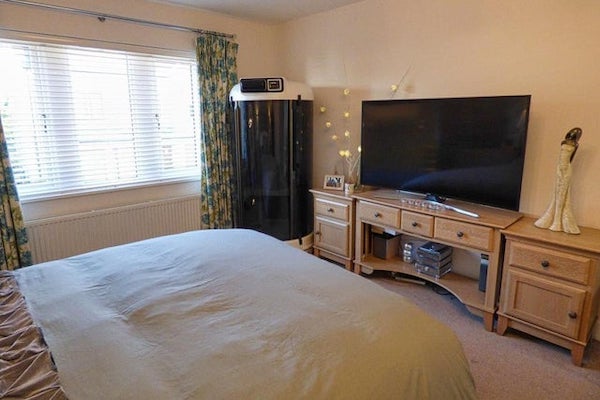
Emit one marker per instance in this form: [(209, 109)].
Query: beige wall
[(257, 41), (463, 47), (548, 49), (450, 48), (257, 56)]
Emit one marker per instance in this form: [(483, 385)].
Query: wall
[(257, 56), (548, 49), (544, 48)]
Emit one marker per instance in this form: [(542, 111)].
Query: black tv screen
[(470, 148)]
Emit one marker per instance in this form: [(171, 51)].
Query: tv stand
[(417, 218)]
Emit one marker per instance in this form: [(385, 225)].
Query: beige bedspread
[(234, 314)]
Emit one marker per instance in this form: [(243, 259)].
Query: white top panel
[(291, 91)]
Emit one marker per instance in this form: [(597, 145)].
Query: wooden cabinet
[(410, 215), (550, 285), (333, 226)]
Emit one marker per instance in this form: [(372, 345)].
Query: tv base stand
[(415, 217)]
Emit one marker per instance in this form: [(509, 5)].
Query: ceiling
[(266, 11)]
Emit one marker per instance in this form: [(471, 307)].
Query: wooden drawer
[(541, 260), (378, 214), (551, 305), (332, 209), (417, 223), (469, 235)]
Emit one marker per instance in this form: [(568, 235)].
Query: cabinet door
[(332, 236), (549, 304)]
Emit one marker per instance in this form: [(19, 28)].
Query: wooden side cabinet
[(550, 285), (334, 226)]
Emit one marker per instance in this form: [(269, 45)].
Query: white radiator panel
[(68, 235)]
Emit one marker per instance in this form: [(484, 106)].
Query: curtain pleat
[(217, 70), (14, 252)]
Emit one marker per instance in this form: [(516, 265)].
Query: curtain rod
[(103, 17)]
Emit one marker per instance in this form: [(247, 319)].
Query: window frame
[(151, 53)]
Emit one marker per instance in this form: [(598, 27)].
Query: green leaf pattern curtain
[(217, 70), (14, 252)]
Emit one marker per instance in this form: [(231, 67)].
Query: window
[(81, 119)]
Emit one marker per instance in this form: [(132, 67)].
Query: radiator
[(68, 235)]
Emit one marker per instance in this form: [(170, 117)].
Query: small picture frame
[(333, 182)]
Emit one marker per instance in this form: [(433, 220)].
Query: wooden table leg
[(488, 321), (502, 325), (577, 354)]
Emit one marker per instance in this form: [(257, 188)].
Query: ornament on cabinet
[(559, 215)]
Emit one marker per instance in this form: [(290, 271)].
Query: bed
[(218, 314)]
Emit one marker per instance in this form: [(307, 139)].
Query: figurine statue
[(559, 215)]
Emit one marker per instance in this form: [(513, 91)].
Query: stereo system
[(434, 259)]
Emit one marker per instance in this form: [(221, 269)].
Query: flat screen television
[(469, 148)]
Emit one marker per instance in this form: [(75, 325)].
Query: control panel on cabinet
[(550, 285), (457, 224)]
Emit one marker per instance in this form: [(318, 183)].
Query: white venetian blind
[(83, 119)]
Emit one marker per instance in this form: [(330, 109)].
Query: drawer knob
[(415, 224), (460, 234), (330, 210), (572, 315), (377, 215), (545, 263), (317, 233)]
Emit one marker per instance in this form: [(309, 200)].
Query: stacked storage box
[(434, 259)]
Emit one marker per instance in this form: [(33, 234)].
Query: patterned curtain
[(14, 252), (217, 69)]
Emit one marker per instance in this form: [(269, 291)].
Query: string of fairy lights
[(342, 134), (351, 158)]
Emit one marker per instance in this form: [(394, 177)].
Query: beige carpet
[(513, 366)]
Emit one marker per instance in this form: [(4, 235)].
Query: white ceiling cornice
[(266, 11)]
